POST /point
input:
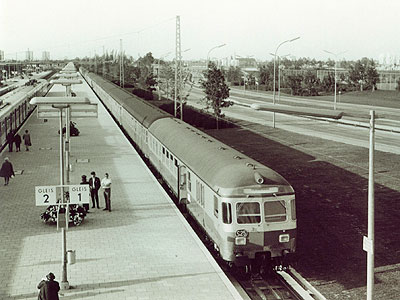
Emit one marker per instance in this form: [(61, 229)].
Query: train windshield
[(275, 211), (248, 212)]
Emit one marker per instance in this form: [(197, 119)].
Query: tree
[(363, 74), (216, 90), (328, 83), (146, 78), (234, 75), (265, 75), (310, 83), (294, 82)]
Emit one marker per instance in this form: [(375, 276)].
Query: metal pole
[(334, 102), (371, 209), (279, 79), (67, 142), (64, 282), (67, 134), (158, 80), (273, 91)]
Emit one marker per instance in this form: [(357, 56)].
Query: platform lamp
[(67, 83), (61, 103)]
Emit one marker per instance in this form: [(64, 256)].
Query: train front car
[(258, 215)]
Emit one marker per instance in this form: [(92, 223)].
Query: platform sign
[(45, 195), (367, 245), (78, 194)]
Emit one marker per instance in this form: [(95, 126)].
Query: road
[(389, 118)]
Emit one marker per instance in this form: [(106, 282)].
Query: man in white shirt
[(106, 185)]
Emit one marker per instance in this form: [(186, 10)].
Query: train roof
[(226, 170), (140, 109)]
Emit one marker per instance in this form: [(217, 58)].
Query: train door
[(182, 184)]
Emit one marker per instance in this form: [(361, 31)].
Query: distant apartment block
[(1, 55), (29, 55), (45, 55)]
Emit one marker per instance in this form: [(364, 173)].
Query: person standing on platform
[(10, 140), (27, 140), (94, 185), (84, 181), (106, 185), (6, 170), (48, 288), (17, 141)]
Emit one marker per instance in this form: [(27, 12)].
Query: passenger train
[(245, 208), (14, 112)]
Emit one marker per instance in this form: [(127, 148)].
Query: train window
[(275, 211), (167, 154), (226, 213), (189, 182), (293, 209), (216, 206), (248, 212), (163, 150), (202, 196), (176, 162)]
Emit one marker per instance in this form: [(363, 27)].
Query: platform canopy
[(66, 81), (49, 107)]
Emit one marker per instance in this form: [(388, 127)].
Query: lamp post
[(67, 83), (276, 51), (279, 74), (158, 74), (336, 55), (208, 54), (61, 103)]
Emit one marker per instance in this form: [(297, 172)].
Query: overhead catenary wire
[(109, 37)]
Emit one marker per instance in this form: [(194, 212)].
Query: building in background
[(1, 55), (45, 55), (29, 55)]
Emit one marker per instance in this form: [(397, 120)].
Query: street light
[(276, 51), (336, 55), (279, 74), (208, 54)]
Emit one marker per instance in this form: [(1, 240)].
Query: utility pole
[(104, 62), (178, 109), (121, 66)]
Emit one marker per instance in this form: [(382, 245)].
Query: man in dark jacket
[(6, 170), (94, 185), (49, 288), (10, 140), (17, 141)]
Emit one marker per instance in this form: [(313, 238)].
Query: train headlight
[(240, 241), (284, 238)]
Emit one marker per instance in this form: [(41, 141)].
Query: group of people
[(94, 186), (13, 137), (7, 170)]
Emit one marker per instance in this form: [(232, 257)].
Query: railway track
[(282, 285)]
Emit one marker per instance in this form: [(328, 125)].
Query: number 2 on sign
[(46, 196)]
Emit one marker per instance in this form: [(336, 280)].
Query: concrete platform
[(143, 249)]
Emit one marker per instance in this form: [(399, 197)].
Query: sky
[(251, 28)]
